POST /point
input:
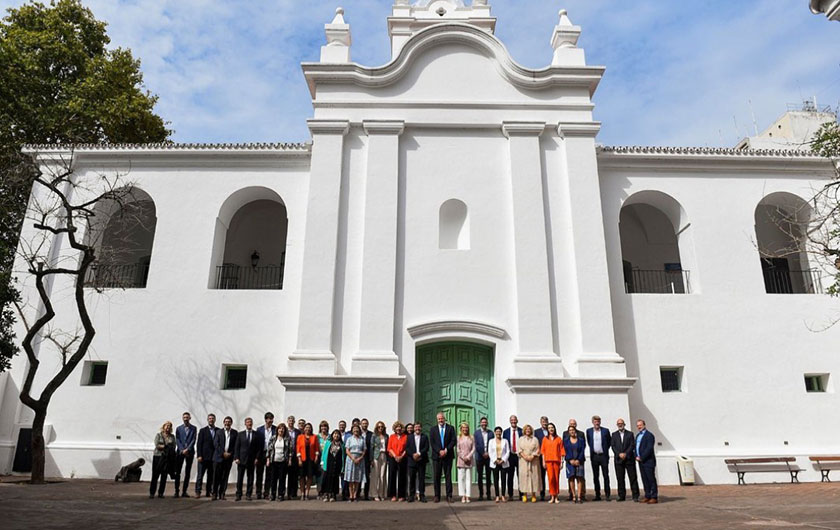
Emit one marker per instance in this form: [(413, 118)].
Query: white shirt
[(267, 436), (597, 448), (417, 443), (621, 436), (485, 434), (227, 440), (279, 447)]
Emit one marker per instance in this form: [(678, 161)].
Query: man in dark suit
[(512, 434), (541, 433), (599, 440), (581, 436), (225, 443), (292, 468), (368, 436), (204, 451), (185, 436), (266, 431), (442, 443), (481, 437), (646, 457), (248, 445), (624, 451), (417, 450)]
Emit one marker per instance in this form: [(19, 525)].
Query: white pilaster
[(314, 353), (379, 256), (535, 355), (597, 356)]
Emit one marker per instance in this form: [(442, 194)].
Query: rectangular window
[(671, 378), (234, 376), (94, 373), (816, 382)]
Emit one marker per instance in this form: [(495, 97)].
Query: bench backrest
[(824, 458), (766, 460)]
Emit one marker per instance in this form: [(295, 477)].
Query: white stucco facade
[(525, 259)]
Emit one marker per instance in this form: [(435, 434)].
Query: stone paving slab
[(99, 504)]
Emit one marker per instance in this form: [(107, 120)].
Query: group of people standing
[(290, 458)]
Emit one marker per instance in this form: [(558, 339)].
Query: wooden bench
[(754, 465), (820, 460)]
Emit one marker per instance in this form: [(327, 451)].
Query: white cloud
[(678, 73)]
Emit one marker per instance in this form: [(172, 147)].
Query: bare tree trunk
[(39, 448)]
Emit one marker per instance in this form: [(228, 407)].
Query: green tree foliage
[(59, 83)]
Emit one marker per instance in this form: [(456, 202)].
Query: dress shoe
[(653, 501), (151, 495), (177, 495), (596, 499), (644, 501), (185, 495), (437, 499), (207, 494), (449, 499), (620, 499), (410, 499), (635, 499), (422, 498), (607, 498), (238, 498), (248, 497)]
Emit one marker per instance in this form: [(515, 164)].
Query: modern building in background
[(452, 238)]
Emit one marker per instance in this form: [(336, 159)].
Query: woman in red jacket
[(309, 456)]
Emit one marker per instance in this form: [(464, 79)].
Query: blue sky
[(678, 72)]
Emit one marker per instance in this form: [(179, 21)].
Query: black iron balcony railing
[(657, 282), (232, 276), (781, 281), (106, 276)]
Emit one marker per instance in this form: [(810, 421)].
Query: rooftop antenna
[(752, 112)]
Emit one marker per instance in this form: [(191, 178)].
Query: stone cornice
[(393, 127), (524, 385), (449, 326), (701, 151), (714, 159), (342, 382), (450, 32), (341, 127), (522, 128), (172, 154), (165, 147), (580, 130)]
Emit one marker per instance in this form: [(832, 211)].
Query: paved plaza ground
[(97, 504)]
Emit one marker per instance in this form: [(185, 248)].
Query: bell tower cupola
[(407, 17)]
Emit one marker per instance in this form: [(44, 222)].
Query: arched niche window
[(249, 246), (656, 247), (454, 226), (122, 232), (781, 224)]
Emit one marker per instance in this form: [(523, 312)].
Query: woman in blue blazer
[(575, 457)]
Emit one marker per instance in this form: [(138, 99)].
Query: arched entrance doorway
[(455, 378)]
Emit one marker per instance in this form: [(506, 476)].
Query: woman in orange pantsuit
[(309, 455), (552, 452)]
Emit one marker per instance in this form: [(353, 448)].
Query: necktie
[(441, 436), (513, 436), (249, 436)]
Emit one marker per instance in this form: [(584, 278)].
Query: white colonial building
[(452, 238)]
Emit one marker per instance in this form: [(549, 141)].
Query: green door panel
[(455, 378)]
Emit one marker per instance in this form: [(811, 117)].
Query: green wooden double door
[(455, 378)]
